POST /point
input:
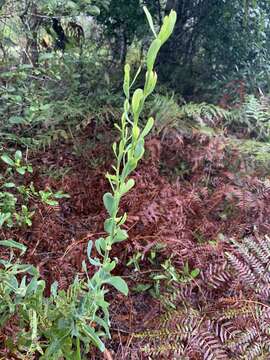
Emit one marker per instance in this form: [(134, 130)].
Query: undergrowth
[(198, 325)]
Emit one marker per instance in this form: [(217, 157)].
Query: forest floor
[(192, 195)]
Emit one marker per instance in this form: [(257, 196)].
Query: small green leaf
[(150, 20), (167, 27), (114, 147), (123, 219), (152, 53), (32, 287), (61, 195), (194, 273), (103, 324), (151, 81), (100, 245), (127, 186), (139, 150), (6, 217), (141, 288), (109, 266), (5, 157), (18, 155), (118, 283), (120, 235), (135, 132), (93, 336), (50, 202), (164, 30), (137, 100), (126, 80), (13, 244), (109, 203), (9, 185), (21, 170), (148, 127), (95, 262), (108, 225), (129, 167)]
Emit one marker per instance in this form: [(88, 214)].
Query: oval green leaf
[(118, 283)]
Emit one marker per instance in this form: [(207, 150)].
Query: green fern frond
[(253, 117), (204, 114), (168, 113)]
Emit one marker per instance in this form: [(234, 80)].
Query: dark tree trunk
[(31, 22), (124, 47)]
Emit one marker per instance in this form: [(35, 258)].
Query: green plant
[(62, 320), (7, 208), (55, 172), (50, 198), (204, 114), (17, 163), (24, 216), (163, 275), (256, 154), (170, 113), (135, 260), (170, 276), (69, 323), (167, 113), (253, 118), (128, 152), (15, 198), (9, 212)]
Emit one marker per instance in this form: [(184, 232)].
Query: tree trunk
[(31, 22)]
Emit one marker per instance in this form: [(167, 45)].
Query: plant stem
[(78, 350)]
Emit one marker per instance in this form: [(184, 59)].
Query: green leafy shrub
[(38, 104)]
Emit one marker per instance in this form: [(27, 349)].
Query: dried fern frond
[(251, 263), (211, 347), (216, 275)]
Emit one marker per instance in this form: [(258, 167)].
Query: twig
[(107, 355)]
